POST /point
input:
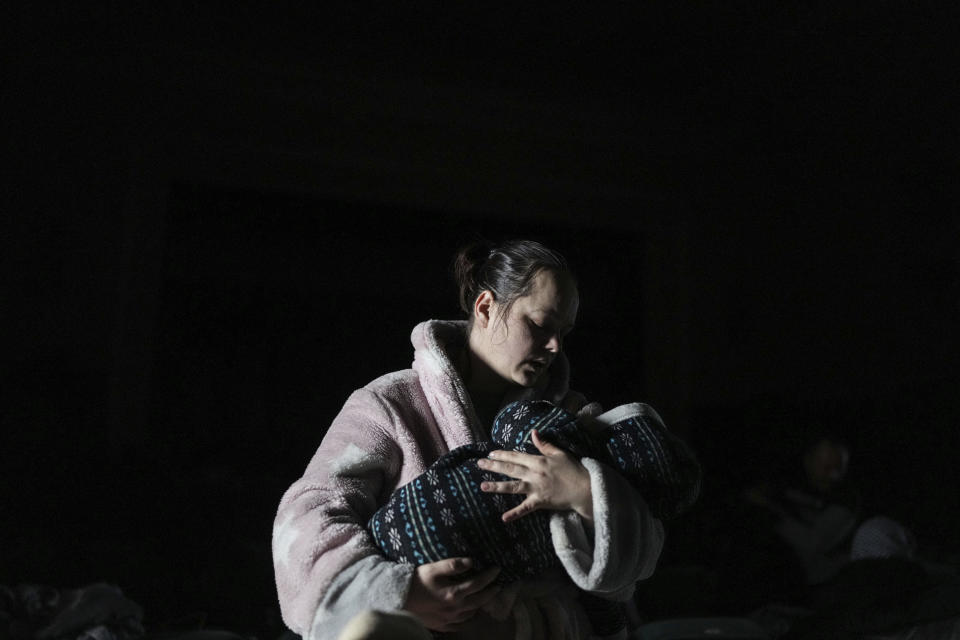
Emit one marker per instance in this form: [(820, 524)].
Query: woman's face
[(521, 344)]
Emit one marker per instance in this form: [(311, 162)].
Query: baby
[(443, 513)]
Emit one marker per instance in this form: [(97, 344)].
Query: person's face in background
[(522, 343), (825, 464)]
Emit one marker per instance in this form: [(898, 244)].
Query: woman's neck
[(485, 387)]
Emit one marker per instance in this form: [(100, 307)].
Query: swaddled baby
[(443, 513)]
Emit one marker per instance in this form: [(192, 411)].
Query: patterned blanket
[(443, 513)]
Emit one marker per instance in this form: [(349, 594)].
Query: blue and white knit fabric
[(443, 513)]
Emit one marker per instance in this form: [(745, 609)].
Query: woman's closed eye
[(547, 330), (538, 328)]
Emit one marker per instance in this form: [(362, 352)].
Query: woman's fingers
[(515, 457), (510, 469), (475, 584), (476, 600), (449, 567), (509, 486), (553, 480), (543, 446), (526, 507), (443, 595)]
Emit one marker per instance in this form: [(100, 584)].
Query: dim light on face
[(826, 464), (522, 343)]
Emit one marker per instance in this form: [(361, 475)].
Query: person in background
[(817, 516)]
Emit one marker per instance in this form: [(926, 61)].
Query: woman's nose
[(555, 344)]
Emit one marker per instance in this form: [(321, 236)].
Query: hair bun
[(467, 265)]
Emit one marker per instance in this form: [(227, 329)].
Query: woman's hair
[(507, 270)]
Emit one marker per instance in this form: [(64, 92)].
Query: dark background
[(220, 221)]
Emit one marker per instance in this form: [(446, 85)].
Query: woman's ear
[(483, 308)]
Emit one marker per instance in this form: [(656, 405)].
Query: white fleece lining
[(585, 562), (597, 565), (625, 411), (594, 422)]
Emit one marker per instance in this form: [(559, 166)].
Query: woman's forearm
[(623, 544)]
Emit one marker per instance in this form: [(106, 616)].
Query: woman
[(522, 301)]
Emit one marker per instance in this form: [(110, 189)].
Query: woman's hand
[(555, 480), (443, 597)]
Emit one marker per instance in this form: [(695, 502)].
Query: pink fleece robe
[(327, 566)]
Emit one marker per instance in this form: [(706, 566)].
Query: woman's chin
[(528, 377)]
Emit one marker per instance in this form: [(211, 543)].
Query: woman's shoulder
[(394, 405), (393, 396), (394, 385), (383, 404)]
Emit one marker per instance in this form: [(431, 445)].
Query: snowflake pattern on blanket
[(443, 513)]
